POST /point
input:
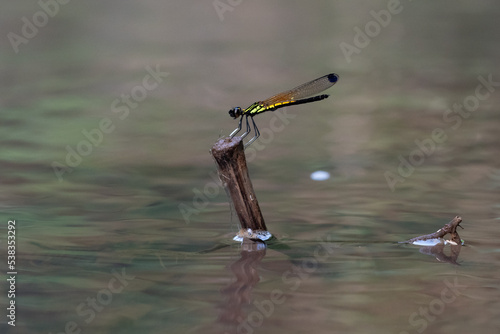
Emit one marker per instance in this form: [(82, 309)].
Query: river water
[(109, 110)]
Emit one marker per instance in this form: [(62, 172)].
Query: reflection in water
[(237, 317), (434, 243), (438, 252), (239, 292)]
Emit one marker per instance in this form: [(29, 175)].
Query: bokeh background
[(109, 110)]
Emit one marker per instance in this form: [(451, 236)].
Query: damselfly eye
[(235, 112)]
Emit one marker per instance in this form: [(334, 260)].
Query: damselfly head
[(235, 112)]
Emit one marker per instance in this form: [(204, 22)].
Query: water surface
[(108, 115)]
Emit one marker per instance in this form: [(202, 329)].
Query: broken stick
[(233, 172), (451, 228)]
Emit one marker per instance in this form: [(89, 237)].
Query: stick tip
[(226, 143)]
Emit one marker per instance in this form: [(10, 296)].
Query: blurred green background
[(109, 110)]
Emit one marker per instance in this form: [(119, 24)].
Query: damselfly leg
[(238, 129), (257, 133), (248, 129)]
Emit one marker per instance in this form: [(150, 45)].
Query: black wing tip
[(333, 77)]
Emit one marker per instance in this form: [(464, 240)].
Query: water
[(109, 111)]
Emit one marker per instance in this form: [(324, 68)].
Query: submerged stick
[(451, 228), (233, 172)]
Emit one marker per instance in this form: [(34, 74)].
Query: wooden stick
[(233, 172)]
